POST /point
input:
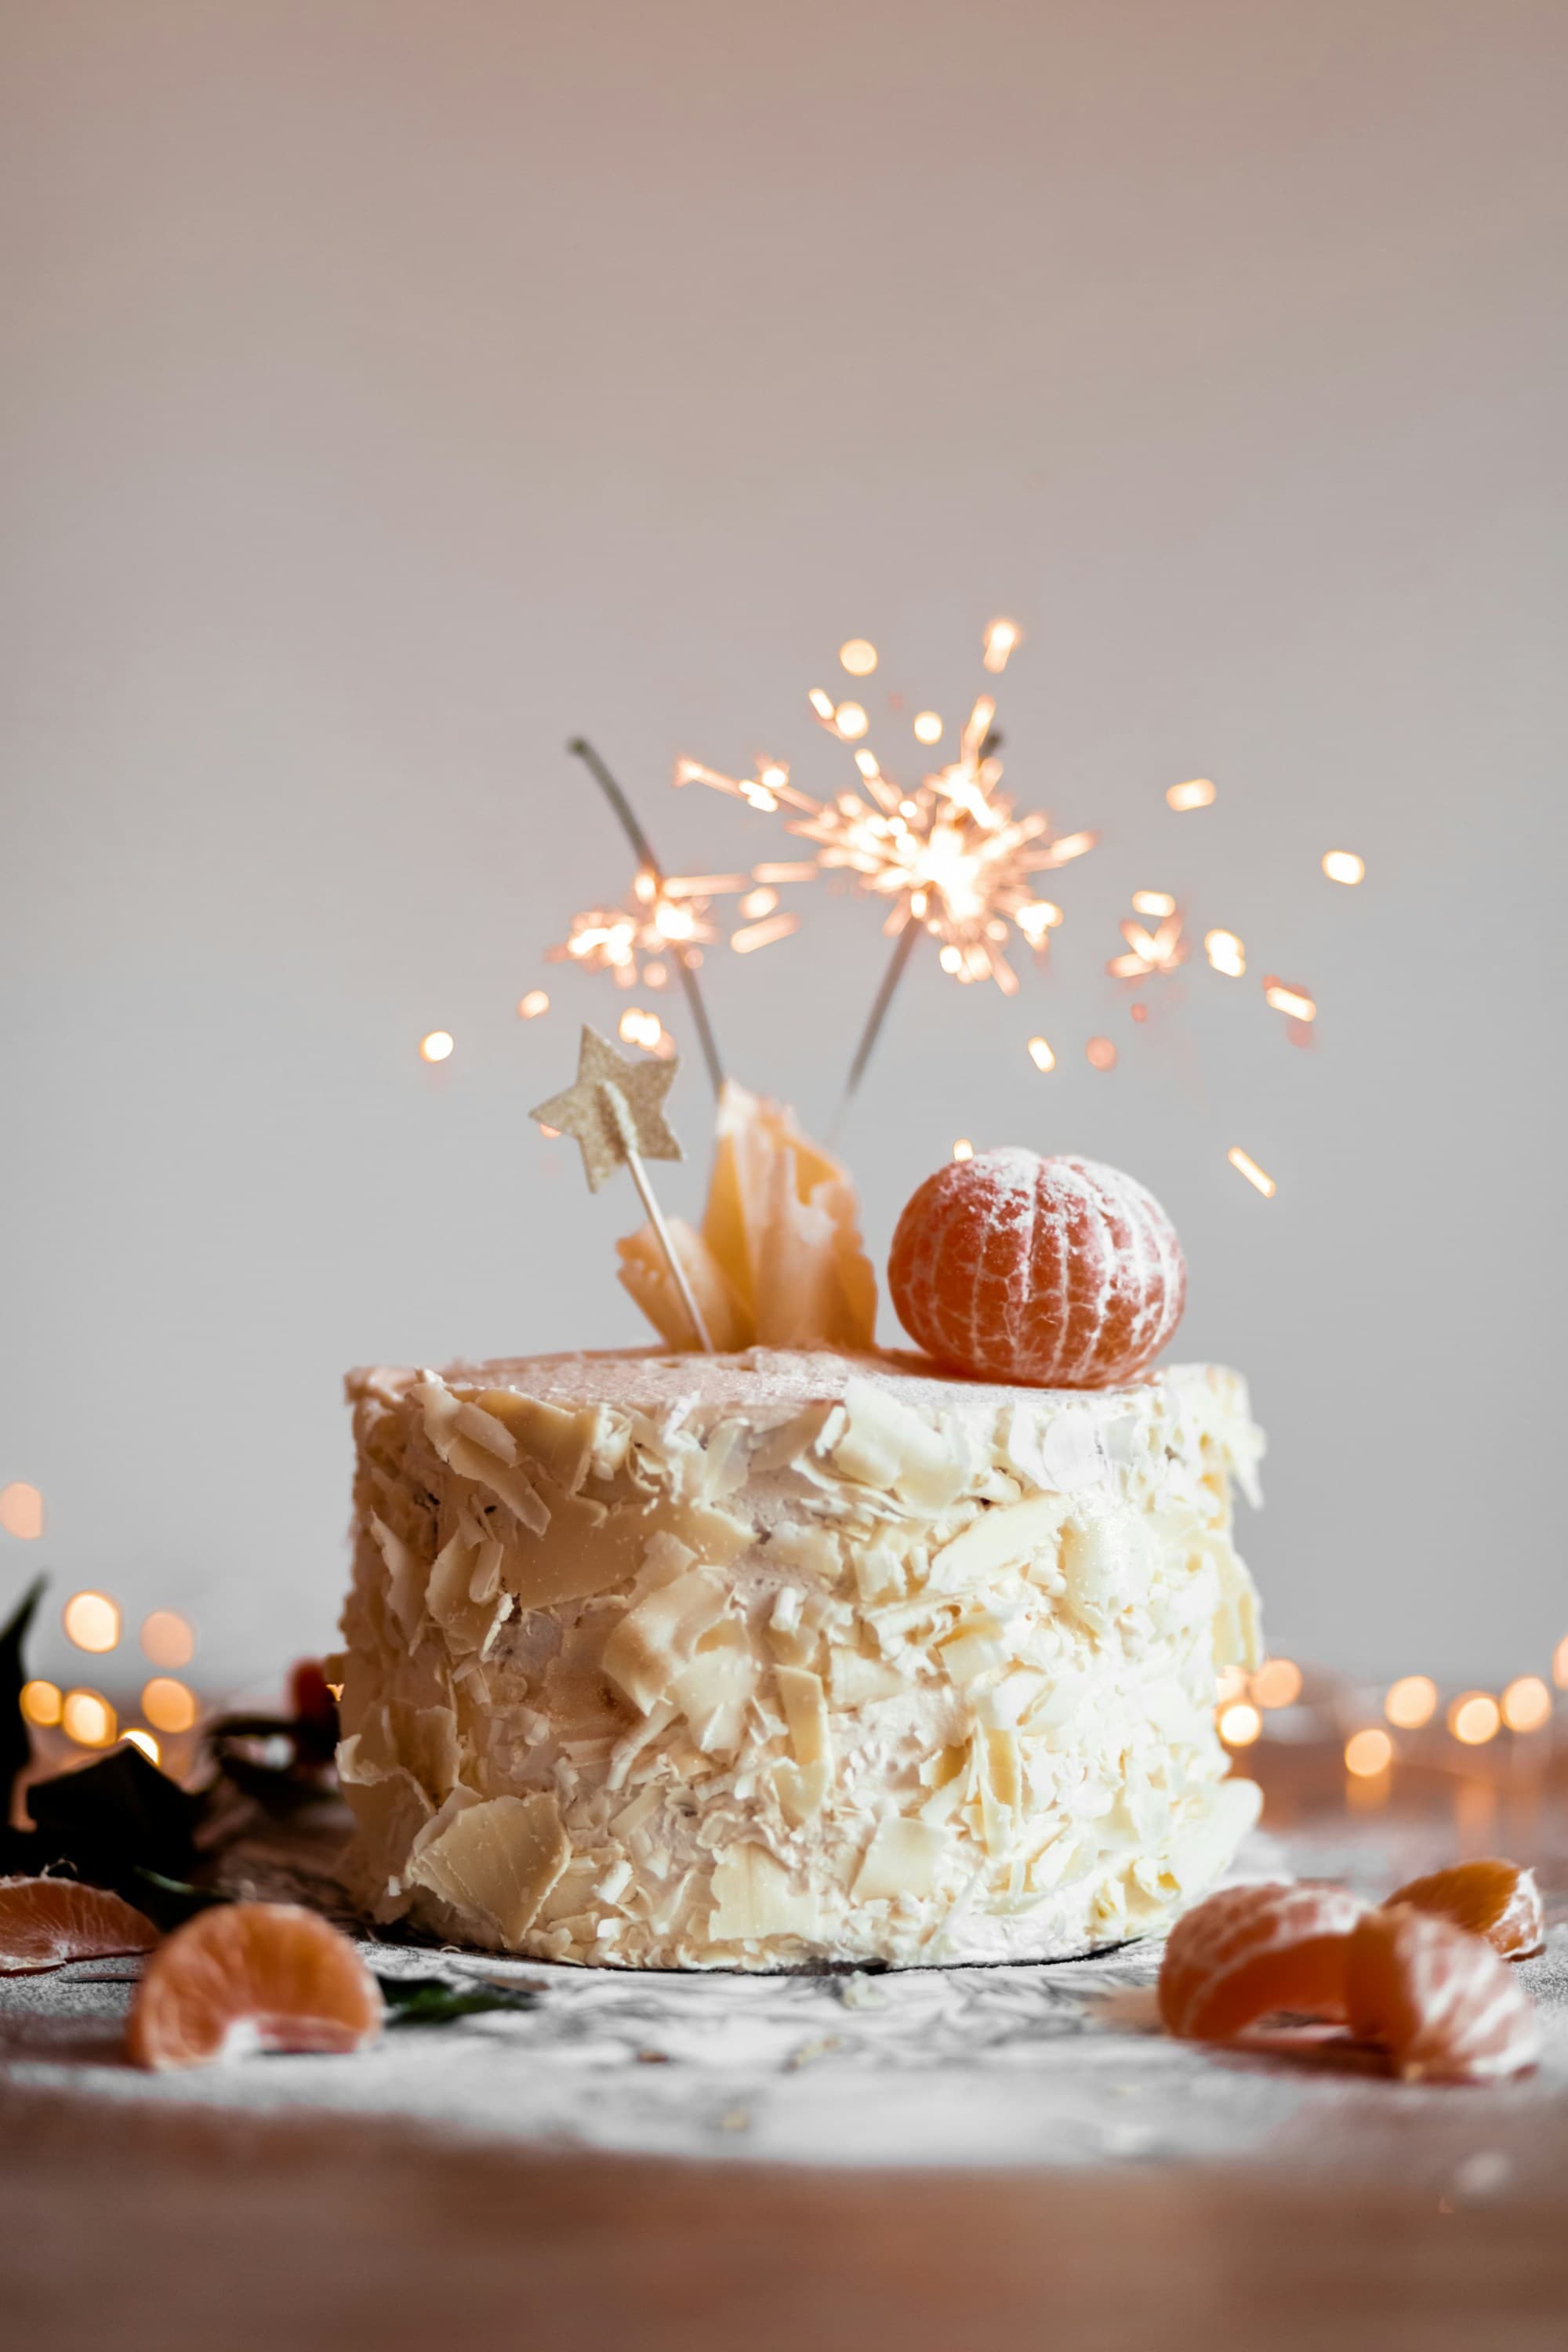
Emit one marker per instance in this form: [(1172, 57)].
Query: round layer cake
[(778, 1659)]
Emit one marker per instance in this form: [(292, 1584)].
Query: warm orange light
[(1070, 845), (1154, 902), (1041, 1055), (1240, 1724), (1198, 794), (1246, 1166), (1475, 1719), (1343, 865), (1526, 1704), (757, 903), (21, 1510), (437, 1046), (858, 657), (536, 1001), (851, 722), (1368, 1753), (41, 1703), (928, 727), (1001, 637), (88, 1718), (1101, 1053), (638, 1027), (91, 1621), (167, 1704), (964, 1149), (1289, 999), (144, 1742), (1560, 1664), (1411, 1701), (167, 1640), (822, 703), (763, 935), (1277, 1683), (1226, 953)]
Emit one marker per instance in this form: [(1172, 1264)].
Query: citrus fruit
[(1494, 1899), (44, 1922), (1052, 1272), (252, 1976), (1251, 1952), (1439, 2000)]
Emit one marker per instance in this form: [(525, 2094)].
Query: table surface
[(945, 2157)]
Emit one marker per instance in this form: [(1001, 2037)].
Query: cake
[(790, 1656)]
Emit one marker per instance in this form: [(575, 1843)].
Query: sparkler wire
[(581, 749)]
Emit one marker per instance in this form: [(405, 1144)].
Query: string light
[(1101, 1053), (22, 1510), (1002, 637), (1240, 1724), (436, 1045), (1041, 1055), (1277, 1683), (144, 1742), (86, 1718), (1293, 1000), (40, 1703), (1226, 952), (858, 657), (1526, 1704), (167, 1640), (91, 1621), (1411, 1702), (167, 1704), (531, 1006), (1368, 1753), (1475, 1719), (1343, 865), (964, 1149), (928, 727), (1246, 1165), (1198, 794)]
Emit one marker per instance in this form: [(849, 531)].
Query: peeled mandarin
[(1251, 1951), (1439, 2000), (1494, 1899), (252, 1976), (1053, 1273), (45, 1922)]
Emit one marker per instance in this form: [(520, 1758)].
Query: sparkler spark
[(660, 916), (1198, 794), (1293, 1000), (1226, 953), (1246, 1166), (1147, 951)]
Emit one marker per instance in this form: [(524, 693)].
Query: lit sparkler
[(1147, 951)]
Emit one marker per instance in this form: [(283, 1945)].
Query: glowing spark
[(1240, 1725), (144, 1742), (167, 1704), (1249, 1168), (91, 1621), (634, 940), (1102, 1053), (1041, 1055), (1160, 950), (866, 762), (928, 727), (1154, 902), (1226, 953), (1001, 639), (1292, 1001), (964, 1149), (1277, 1683), (1560, 1664), (858, 657), (1475, 1719), (437, 1046), (1343, 865), (88, 1718), (552, 1132), (1411, 1702), (22, 1510), (167, 1640), (1198, 794), (531, 1006), (851, 722), (822, 703), (757, 903), (763, 935), (646, 1030), (41, 1703), (1070, 845), (1526, 1704), (1368, 1753)]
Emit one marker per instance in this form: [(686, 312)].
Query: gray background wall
[(391, 391)]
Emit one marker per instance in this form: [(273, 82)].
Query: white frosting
[(779, 1658)]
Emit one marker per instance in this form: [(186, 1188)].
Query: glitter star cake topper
[(615, 1110)]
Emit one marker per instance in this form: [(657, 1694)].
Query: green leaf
[(170, 1902), (436, 2001)]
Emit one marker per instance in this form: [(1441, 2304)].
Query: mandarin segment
[(252, 1976), (1492, 1898), (1251, 1951), (45, 1922), (1438, 1999), (1053, 1273)]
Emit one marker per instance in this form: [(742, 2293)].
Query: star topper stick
[(614, 1109)]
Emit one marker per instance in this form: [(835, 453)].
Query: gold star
[(614, 1108)]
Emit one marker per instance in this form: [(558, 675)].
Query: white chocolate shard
[(1000, 1538), (754, 1898), (656, 1638), (495, 1859), (904, 1857)]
